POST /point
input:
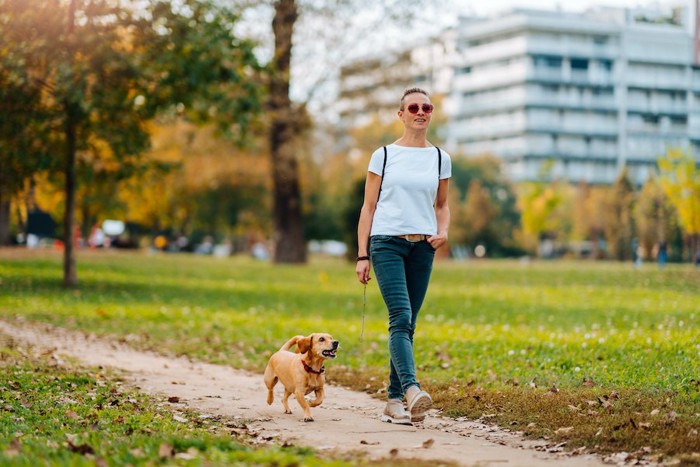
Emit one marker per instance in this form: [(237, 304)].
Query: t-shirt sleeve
[(376, 163), (446, 169)]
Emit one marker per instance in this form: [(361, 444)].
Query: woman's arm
[(442, 214), (364, 225)]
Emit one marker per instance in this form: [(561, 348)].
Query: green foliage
[(484, 208)]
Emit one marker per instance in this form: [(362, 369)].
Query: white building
[(575, 95)]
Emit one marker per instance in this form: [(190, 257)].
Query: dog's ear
[(305, 344)]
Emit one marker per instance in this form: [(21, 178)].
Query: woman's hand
[(436, 241), (362, 270)]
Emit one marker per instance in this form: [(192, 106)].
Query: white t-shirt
[(408, 190)]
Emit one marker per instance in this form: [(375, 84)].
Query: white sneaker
[(395, 413), (419, 402)]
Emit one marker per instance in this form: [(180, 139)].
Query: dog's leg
[(319, 398), (299, 394), (270, 382), (285, 402)]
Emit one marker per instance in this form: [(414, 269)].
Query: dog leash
[(364, 307)]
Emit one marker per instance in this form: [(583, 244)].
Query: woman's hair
[(412, 91)]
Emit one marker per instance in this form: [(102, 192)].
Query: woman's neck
[(414, 140)]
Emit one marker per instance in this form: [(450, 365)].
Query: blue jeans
[(403, 271)]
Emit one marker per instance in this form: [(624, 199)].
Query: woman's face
[(419, 120)]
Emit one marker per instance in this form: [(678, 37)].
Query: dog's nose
[(335, 344)]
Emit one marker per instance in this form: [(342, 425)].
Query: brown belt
[(413, 237)]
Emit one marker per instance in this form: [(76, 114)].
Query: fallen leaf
[(554, 389), (654, 412), (166, 450), (174, 399), (72, 414), (14, 449), (573, 408), (374, 443), (394, 452), (564, 430), (428, 443), (81, 448)]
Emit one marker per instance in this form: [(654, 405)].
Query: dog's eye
[(322, 339)]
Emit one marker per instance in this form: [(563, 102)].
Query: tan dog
[(300, 372)]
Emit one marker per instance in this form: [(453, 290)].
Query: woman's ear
[(305, 344)]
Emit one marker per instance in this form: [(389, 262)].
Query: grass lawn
[(599, 356)]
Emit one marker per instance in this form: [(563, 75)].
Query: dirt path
[(346, 421)]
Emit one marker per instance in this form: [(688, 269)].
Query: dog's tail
[(291, 342)]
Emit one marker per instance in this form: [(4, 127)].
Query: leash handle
[(364, 307)]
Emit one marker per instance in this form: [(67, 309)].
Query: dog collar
[(311, 370)]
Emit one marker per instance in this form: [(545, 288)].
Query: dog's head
[(318, 344)]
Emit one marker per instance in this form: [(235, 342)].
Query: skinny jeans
[(402, 269)]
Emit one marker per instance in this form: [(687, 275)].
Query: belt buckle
[(413, 238)]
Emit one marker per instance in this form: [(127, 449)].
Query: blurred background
[(225, 127)]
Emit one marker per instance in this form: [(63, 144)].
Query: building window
[(579, 64), (465, 70), (547, 61), (606, 64)]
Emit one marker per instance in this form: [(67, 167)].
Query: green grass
[(493, 337)]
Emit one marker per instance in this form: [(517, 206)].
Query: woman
[(404, 220)]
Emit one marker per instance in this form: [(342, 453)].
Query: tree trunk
[(4, 214), (70, 275), (4, 221), (290, 246)]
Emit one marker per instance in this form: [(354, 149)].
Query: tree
[(653, 216), (104, 71), (479, 213), (618, 226), (680, 180)]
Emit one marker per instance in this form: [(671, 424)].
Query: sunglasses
[(427, 108)]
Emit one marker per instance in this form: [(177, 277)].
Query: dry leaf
[(72, 414), (14, 449), (166, 450), (394, 452), (174, 399), (374, 443), (654, 412), (428, 443), (564, 431)]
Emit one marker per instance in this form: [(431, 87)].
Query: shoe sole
[(396, 421), (420, 406)]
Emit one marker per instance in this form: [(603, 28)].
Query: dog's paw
[(308, 419), (289, 412)]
